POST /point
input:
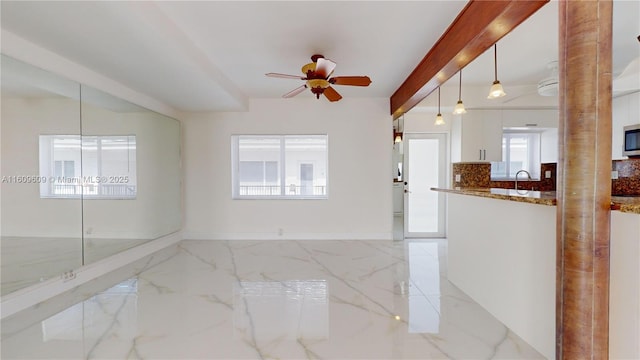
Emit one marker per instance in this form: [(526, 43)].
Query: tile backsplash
[(478, 175), (628, 181), (471, 175)]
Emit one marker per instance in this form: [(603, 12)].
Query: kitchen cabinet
[(481, 138)]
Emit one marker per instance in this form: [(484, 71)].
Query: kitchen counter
[(533, 197), (629, 204), (503, 255)]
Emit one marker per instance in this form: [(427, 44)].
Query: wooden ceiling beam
[(478, 26)]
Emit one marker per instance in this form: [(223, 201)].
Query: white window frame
[(534, 156), (284, 192)]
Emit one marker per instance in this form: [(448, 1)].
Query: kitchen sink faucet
[(518, 173)]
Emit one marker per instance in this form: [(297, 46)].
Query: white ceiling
[(212, 55)]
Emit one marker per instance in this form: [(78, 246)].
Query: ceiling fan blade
[(331, 94), (530, 93), (295, 91), (286, 76), (324, 67), (351, 80)]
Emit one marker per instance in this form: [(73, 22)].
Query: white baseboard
[(24, 298), (133, 235), (287, 236)]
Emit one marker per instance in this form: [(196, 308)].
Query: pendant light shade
[(397, 132), (496, 90), (439, 119), (459, 109)]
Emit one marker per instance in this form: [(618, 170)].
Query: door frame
[(443, 172)]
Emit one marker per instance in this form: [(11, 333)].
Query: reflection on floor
[(398, 227), (277, 299), (28, 260)]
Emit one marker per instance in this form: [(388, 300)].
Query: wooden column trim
[(584, 180), (478, 26)]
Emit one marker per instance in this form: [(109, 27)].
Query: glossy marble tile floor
[(277, 300)]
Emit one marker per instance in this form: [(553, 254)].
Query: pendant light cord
[(460, 87), (495, 61)]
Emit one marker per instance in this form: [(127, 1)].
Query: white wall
[(23, 212), (156, 211), (456, 139), (423, 122), (549, 146), (625, 111), (360, 150)]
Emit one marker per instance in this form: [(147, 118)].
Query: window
[(279, 166), (94, 167), (520, 151)]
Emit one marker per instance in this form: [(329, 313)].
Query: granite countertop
[(630, 204)]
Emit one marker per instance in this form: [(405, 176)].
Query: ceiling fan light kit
[(318, 81), (496, 90)]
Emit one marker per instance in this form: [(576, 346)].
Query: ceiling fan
[(317, 76), (549, 85)]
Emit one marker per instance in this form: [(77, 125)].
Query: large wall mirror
[(85, 175)]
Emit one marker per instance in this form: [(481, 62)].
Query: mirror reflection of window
[(107, 165), (277, 310), (87, 320)]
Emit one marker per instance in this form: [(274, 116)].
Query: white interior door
[(424, 167)]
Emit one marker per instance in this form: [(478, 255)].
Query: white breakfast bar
[(502, 253)]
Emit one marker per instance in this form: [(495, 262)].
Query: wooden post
[(584, 180)]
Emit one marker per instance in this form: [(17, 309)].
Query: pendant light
[(459, 109), (496, 89), (397, 133), (439, 119)]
